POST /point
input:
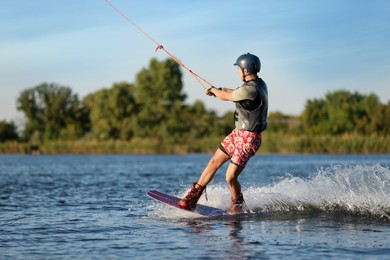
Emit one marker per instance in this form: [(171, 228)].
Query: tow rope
[(160, 47)]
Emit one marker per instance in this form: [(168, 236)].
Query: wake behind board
[(172, 201)]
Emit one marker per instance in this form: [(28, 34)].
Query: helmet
[(250, 62)]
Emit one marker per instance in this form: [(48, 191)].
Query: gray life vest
[(251, 115)]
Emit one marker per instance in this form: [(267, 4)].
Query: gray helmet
[(250, 62)]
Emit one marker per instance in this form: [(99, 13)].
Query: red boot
[(237, 205), (190, 200)]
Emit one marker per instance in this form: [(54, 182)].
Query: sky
[(307, 48)]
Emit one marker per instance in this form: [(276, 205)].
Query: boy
[(242, 143)]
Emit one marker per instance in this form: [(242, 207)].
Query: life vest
[(251, 115)]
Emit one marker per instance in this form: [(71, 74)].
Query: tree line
[(340, 112), (154, 107)]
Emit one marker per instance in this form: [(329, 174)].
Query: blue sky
[(307, 48)]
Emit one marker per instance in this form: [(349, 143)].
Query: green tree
[(370, 116), (112, 112), (344, 112), (77, 122), (226, 123), (314, 116), (49, 109), (200, 120), (159, 95), (196, 122), (343, 109), (8, 131), (281, 123), (386, 120)]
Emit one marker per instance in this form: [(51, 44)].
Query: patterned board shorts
[(241, 145)]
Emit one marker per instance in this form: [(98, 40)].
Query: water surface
[(95, 207)]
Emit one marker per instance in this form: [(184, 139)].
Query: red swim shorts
[(241, 145)]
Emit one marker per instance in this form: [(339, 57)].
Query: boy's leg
[(237, 204), (232, 174), (218, 159), (196, 191)]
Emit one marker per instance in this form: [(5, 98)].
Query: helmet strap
[(244, 75)]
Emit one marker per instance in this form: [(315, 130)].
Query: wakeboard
[(173, 201)]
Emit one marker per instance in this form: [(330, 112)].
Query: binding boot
[(237, 205), (190, 200)]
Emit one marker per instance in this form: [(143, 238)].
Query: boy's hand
[(209, 92)]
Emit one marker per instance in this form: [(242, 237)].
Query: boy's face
[(241, 73)]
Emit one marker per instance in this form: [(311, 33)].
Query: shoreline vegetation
[(272, 143), (151, 116)]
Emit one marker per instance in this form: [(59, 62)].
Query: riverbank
[(272, 143)]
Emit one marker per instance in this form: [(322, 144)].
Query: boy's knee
[(230, 177), (213, 163), (217, 161)]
